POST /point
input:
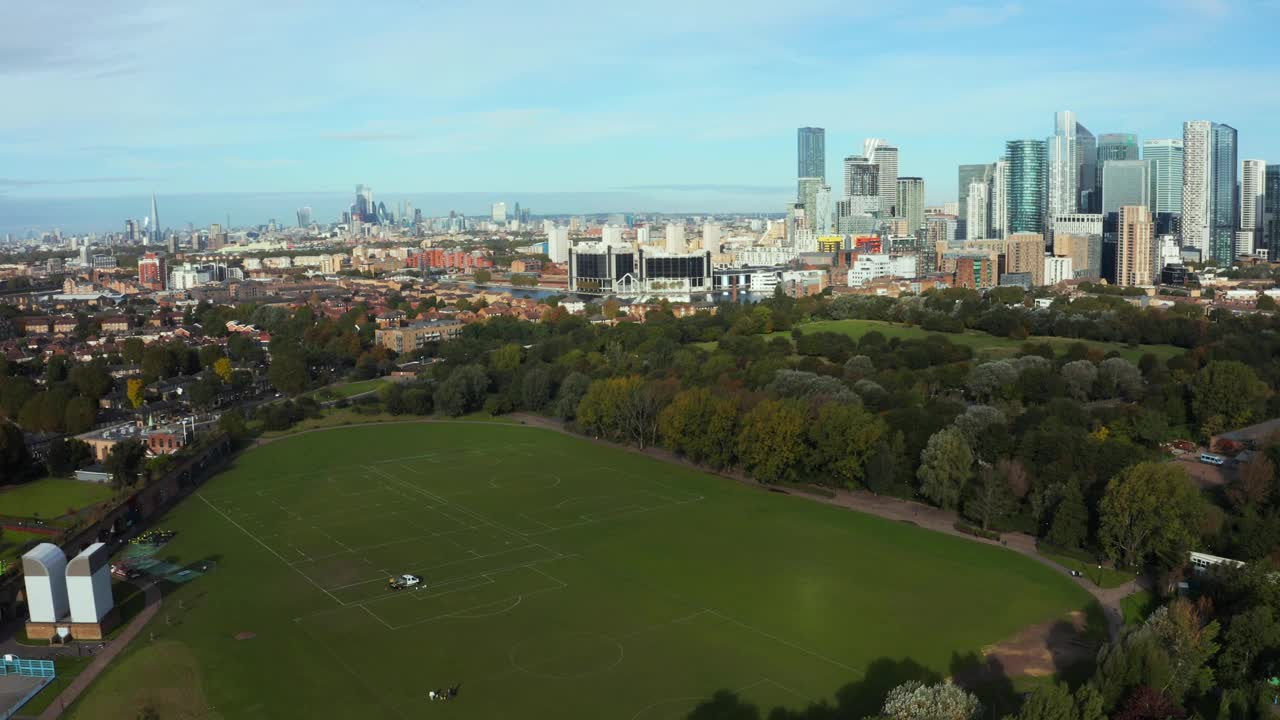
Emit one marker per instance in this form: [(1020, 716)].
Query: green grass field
[(564, 580), (11, 542), (1104, 577), (351, 389), (985, 345), (51, 497)]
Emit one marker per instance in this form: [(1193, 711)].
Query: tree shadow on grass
[(854, 701)]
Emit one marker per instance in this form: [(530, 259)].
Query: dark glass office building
[(811, 153), (1028, 182), (1224, 211), (1271, 213)]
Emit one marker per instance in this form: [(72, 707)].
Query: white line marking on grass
[(788, 643), (466, 614), (269, 549), (375, 616), (616, 515), (424, 571)]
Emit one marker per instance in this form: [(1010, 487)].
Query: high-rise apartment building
[(1224, 210), (675, 238), (1165, 156), (304, 217), (811, 153), (1197, 143), (1253, 186), (978, 203), (1028, 176), (498, 212), (1064, 168), (1135, 247), (885, 157), (998, 207), (711, 237), (1125, 182), (1024, 253), (968, 174), (155, 221), (910, 202), (807, 195), (151, 270)]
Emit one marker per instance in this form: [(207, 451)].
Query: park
[(560, 578)]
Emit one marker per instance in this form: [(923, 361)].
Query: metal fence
[(27, 668)]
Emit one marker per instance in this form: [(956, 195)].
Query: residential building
[(1057, 269), (558, 243), (1028, 174), (151, 271), (1024, 253), (414, 337), (675, 238), (1135, 248), (1224, 210), (1064, 170), (976, 211), (1125, 182), (711, 237), (869, 266), (1209, 205), (1253, 187), (969, 174), (1165, 156), (910, 202), (998, 207)]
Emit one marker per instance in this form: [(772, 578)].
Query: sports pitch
[(564, 580)]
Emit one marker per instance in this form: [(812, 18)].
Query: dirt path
[(104, 658), (925, 516)]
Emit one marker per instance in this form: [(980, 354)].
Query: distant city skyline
[(712, 109)]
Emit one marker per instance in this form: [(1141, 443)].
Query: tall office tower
[(611, 235), (861, 177), (1135, 248), (1064, 165), (675, 238), (910, 202), (1024, 253), (1028, 170), (1112, 146), (1197, 141), (976, 212), (130, 230), (998, 208), (811, 153), (885, 156), (498, 212), (155, 221), (711, 237), (1125, 182), (1253, 187), (1087, 160), (642, 235), (364, 209), (1165, 157), (1224, 167), (968, 174), (304, 217), (1271, 201)]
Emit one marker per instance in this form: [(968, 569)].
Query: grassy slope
[(784, 597), (51, 497)]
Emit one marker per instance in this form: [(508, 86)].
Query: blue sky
[(663, 96)]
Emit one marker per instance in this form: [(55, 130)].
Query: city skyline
[(694, 106)]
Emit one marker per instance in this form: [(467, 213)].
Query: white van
[(1211, 459)]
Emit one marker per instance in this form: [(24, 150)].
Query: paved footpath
[(104, 658)]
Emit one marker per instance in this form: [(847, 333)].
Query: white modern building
[(869, 266), (89, 584), (642, 235), (44, 569), (711, 237), (977, 204), (998, 217), (1253, 184), (558, 243), (611, 235), (1196, 184), (675, 238), (885, 157), (1057, 269), (1063, 191)]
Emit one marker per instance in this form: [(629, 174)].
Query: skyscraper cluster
[(1104, 206)]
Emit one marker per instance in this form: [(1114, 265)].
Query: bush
[(975, 531)]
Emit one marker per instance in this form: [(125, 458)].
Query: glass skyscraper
[(1087, 154), (1224, 167), (1124, 183), (968, 174), (811, 153), (1028, 182), (1166, 158), (1271, 212)]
